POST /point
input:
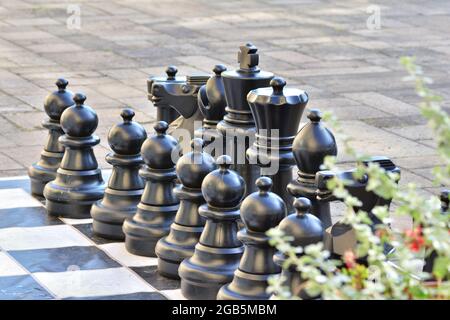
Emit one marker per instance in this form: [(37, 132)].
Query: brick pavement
[(322, 46)]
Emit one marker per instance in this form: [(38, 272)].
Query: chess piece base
[(44, 171), (245, 286), (142, 234), (110, 213), (207, 271)]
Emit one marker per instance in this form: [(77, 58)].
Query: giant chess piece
[(341, 237), (218, 251), (182, 97), (277, 111), (430, 259), (212, 103), (44, 170), (311, 145), (158, 205), (238, 126), (188, 224), (305, 229), (163, 111), (78, 183), (125, 186), (260, 211)]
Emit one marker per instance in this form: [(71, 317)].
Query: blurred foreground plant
[(379, 278)]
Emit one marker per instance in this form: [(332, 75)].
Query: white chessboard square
[(17, 198), (118, 252), (76, 221), (173, 294), (9, 267), (93, 283), (42, 238)]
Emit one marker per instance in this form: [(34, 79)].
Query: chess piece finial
[(187, 227), (44, 170), (163, 111), (125, 187), (78, 183), (238, 124), (158, 205), (304, 228), (277, 111), (311, 145), (260, 211), (218, 251)]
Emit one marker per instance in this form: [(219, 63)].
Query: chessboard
[(44, 257)]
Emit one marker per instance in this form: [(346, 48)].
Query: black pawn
[(44, 170), (212, 103), (218, 252), (305, 229), (125, 186), (260, 211), (188, 224), (78, 183), (276, 108), (311, 145), (158, 205)]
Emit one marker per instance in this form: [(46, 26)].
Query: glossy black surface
[(44, 170), (78, 183), (337, 239), (218, 252), (125, 186), (311, 145), (163, 111), (305, 229), (62, 259), (260, 211), (154, 277), (188, 225), (276, 108), (26, 217), (158, 205)]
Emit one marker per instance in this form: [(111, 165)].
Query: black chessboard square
[(22, 287), (157, 281), (26, 217), (64, 259), (86, 229), (130, 296)]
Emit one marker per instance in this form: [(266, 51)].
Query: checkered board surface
[(43, 257)]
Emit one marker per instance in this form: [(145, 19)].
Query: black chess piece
[(44, 170), (305, 229), (340, 237), (158, 205), (212, 103), (311, 145), (277, 112), (163, 111), (188, 224), (182, 97), (78, 183), (125, 186), (430, 259), (218, 251), (260, 211), (238, 126)]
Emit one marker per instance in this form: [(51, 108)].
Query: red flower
[(349, 259), (414, 239)]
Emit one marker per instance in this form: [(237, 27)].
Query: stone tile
[(8, 164)]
